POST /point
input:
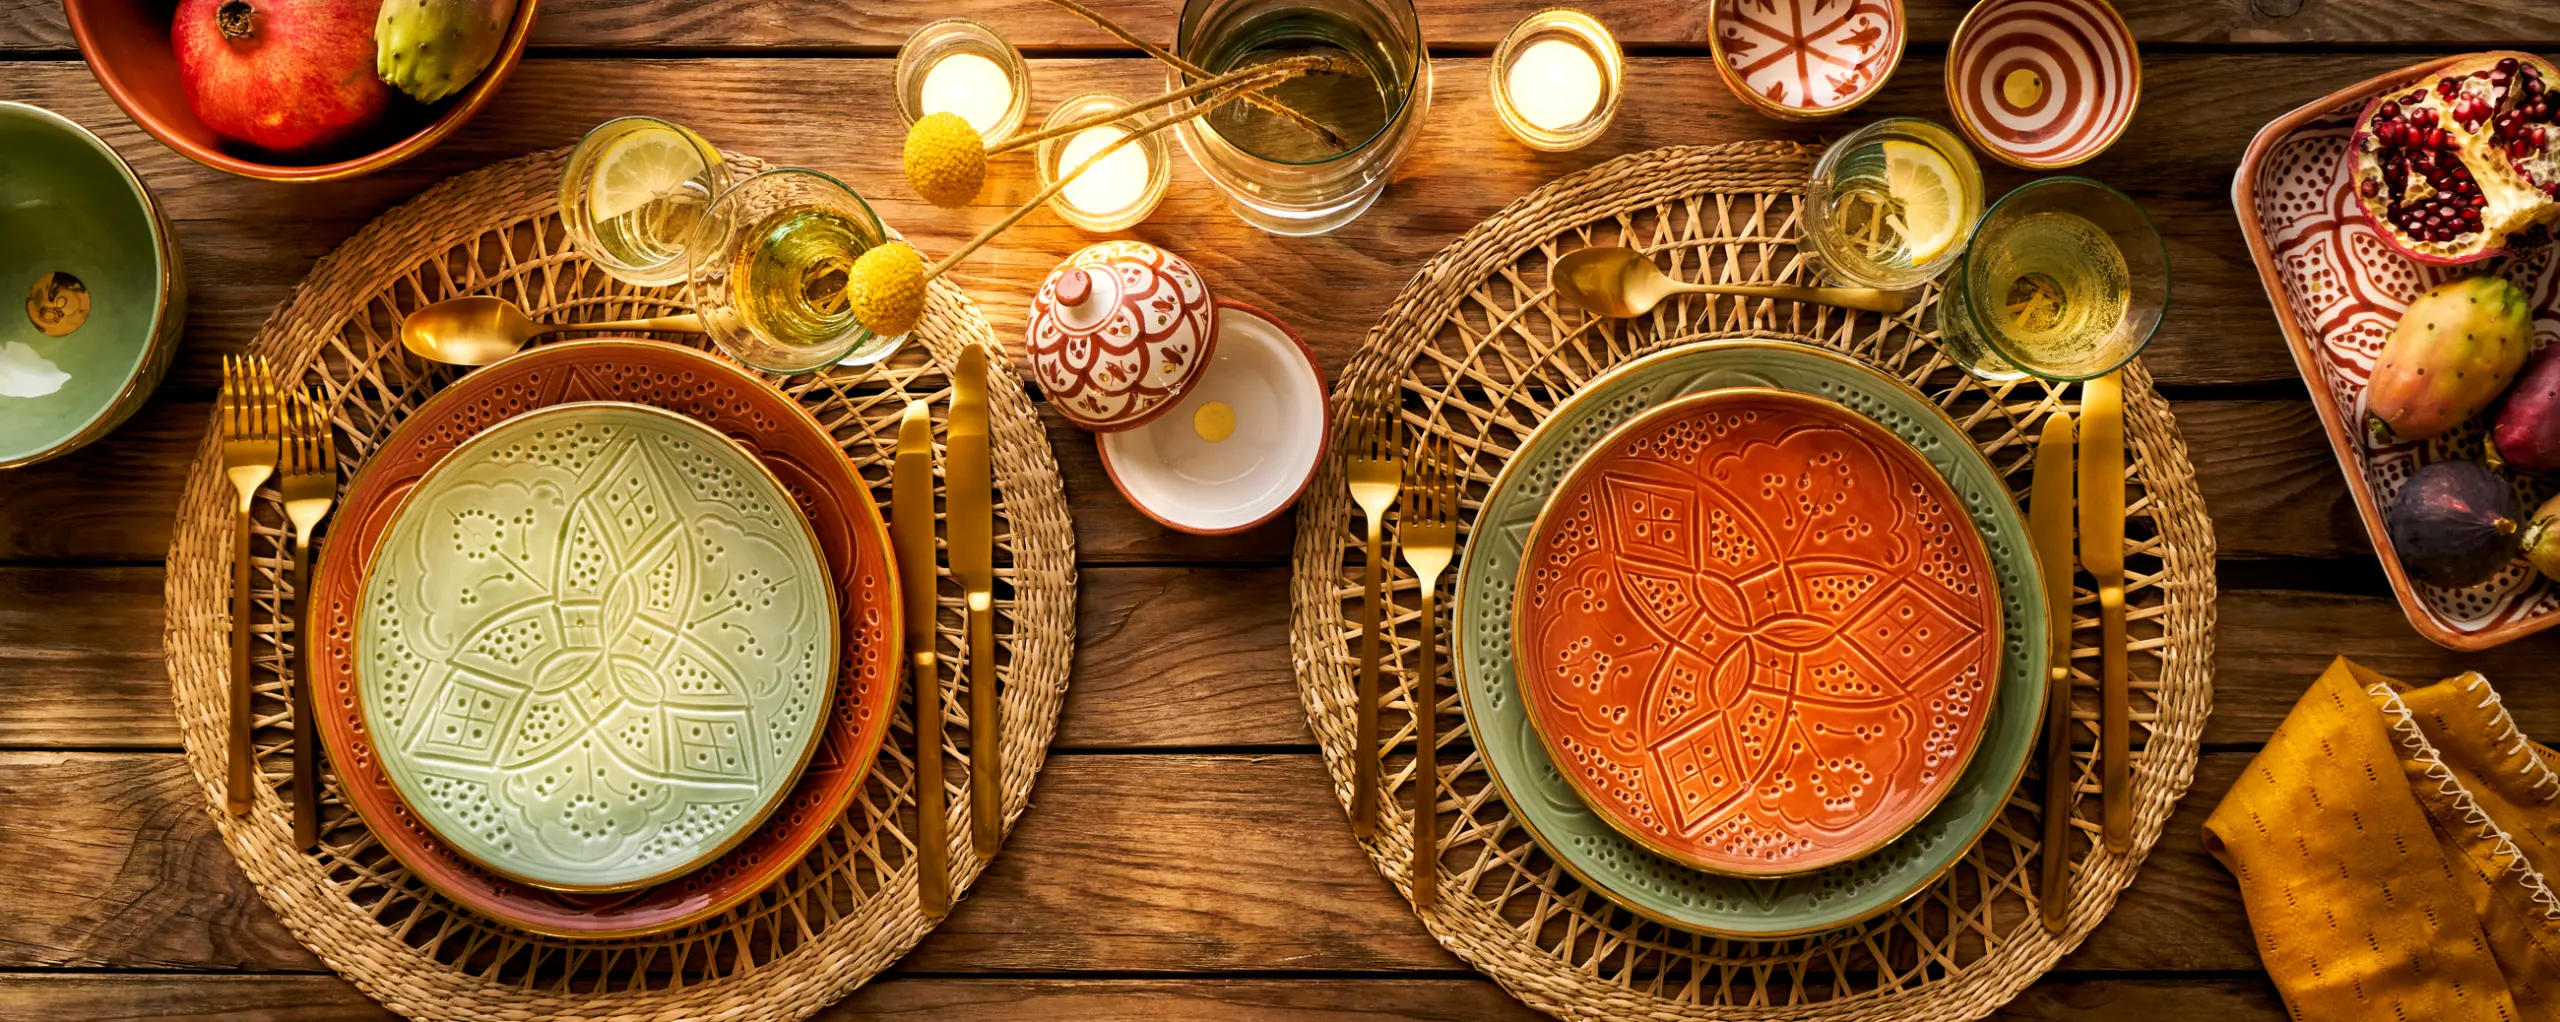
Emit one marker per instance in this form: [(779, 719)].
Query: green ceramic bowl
[(91, 295), (1540, 797)]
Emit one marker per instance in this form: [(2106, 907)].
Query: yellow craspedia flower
[(946, 159), (888, 289)]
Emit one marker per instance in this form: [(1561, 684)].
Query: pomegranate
[(2447, 170), (291, 77)]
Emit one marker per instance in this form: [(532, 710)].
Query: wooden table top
[(1184, 857)]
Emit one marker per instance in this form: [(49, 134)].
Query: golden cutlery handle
[(2058, 778), (306, 743), (1863, 298), (1426, 765), (2116, 729), (933, 836), (986, 730), (235, 795), (684, 324), (1364, 737)]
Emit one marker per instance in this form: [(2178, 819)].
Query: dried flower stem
[(1277, 71), (1186, 67)]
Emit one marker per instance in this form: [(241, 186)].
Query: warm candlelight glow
[(1554, 84), (1113, 185), (971, 86)]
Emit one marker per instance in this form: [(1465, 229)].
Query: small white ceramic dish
[(1273, 394)]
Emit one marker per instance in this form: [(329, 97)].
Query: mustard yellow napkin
[(2391, 845)]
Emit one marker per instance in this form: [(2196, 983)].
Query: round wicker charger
[(1478, 350), (849, 909)]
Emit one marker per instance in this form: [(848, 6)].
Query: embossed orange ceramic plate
[(851, 535), (1757, 632)]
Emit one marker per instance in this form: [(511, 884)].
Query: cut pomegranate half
[(2448, 169)]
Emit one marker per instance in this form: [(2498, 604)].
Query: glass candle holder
[(771, 264), (1556, 79), (2066, 280), (1278, 173), (964, 67), (632, 193), (1116, 193), (1866, 230)]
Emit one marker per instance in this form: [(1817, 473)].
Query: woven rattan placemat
[(849, 909), (1478, 350)]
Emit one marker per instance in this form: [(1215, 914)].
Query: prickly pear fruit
[(2541, 539), (2526, 432), (2448, 357), (2454, 524), (430, 49)]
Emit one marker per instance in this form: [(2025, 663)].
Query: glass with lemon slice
[(1892, 205), (634, 189)]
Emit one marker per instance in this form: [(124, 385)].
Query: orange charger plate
[(778, 432), (1757, 632)]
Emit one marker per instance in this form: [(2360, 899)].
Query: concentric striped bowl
[(2043, 84)]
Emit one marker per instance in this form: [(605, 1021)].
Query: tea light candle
[(971, 86), (1120, 190), (1556, 79)]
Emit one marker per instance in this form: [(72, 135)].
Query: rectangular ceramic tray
[(2337, 291)]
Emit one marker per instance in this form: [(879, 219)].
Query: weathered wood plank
[(36, 997), (1154, 863), (871, 26), (1173, 658), (247, 242)]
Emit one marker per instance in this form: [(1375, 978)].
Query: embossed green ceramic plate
[(598, 644), (1646, 883)]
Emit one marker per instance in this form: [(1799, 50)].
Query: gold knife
[(911, 501), (969, 513), (2102, 552), (2049, 518)]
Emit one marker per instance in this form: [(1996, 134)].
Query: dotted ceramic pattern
[(832, 917), (597, 645), (1119, 364), (1759, 629), (1479, 352), (1807, 57), (2340, 290), (2085, 72), (1585, 842)]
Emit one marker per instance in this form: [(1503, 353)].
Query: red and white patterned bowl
[(1799, 60), (1119, 332), (2043, 84)]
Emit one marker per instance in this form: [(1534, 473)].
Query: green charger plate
[(1587, 846), (598, 644)]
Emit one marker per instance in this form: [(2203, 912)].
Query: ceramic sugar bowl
[(1119, 332)]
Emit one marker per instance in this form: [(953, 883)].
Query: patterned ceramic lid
[(1119, 332)]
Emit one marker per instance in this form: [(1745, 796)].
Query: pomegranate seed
[(2437, 139), (2508, 65), (2541, 137)]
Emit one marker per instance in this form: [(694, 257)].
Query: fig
[(2541, 539), (2454, 524), (2448, 169), (2452, 353), (2526, 431)]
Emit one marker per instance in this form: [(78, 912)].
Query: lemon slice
[(640, 167), (1924, 184)]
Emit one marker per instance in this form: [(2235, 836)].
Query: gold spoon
[(1621, 282), (480, 329)]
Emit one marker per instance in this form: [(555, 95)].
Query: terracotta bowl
[(126, 43), (1211, 471), (1801, 60), (2043, 84)]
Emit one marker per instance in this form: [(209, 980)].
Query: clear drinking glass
[(631, 195), (2067, 279), (1856, 221), (772, 260), (1283, 176)]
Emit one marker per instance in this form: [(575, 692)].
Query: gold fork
[(252, 435), (309, 479), (1428, 535), (1377, 473)]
